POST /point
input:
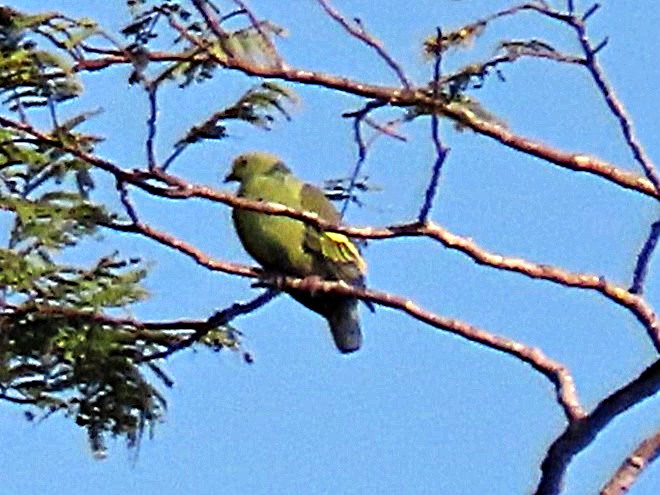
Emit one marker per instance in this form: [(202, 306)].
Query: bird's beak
[(230, 177)]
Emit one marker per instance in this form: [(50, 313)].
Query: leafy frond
[(31, 75), (81, 368), (258, 107)]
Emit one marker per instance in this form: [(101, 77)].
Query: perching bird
[(286, 246)]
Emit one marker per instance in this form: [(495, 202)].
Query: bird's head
[(253, 164)]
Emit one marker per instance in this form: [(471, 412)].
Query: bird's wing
[(338, 256)]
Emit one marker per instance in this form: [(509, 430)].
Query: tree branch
[(213, 23), (644, 259), (441, 151), (180, 189), (220, 318), (358, 31), (556, 372), (578, 162), (580, 434), (633, 466), (358, 118), (257, 26), (613, 102)]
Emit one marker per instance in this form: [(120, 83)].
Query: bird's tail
[(345, 326)]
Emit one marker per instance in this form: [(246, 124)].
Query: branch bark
[(177, 188), (579, 435), (394, 96), (634, 465)]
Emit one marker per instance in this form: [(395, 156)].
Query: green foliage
[(80, 367), (56, 355), (59, 351), (205, 49), (54, 220), (63, 347), (224, 337), (256, 107), (31, 75), (462, 37)]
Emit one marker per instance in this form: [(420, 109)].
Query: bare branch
[(183, 247), (180, 189), (556, 372), (440, 150), (360, 33), (18, 400), (579, 435), (387, 128), (633, 466), (102, 318), (612, 100), (644, 258), (219, 318), (213, 23), (597, 73), (152, 90), (358, 117), (578, 162)]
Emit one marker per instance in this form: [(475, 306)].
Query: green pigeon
[(286, 246)]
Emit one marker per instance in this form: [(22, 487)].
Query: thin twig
[(362, 150), (387, 129), (183, 247), (152, 90), (232, 14), (440, 150), (579, 162), (126, 202), (18, 400), (644, 258), (105, 319), (178, 149), (256, 24), (360, 33), (212, 21), (613, 102), (357, 168), (218, 319)]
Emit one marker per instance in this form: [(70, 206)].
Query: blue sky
[(416, 410)]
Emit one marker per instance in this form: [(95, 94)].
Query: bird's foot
[(270, 279), (310, 283)]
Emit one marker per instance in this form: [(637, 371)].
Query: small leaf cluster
[(30, 73), (257, 106)]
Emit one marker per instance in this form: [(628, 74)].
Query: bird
[(285, 246)]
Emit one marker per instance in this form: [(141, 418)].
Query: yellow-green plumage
[(288, 246)]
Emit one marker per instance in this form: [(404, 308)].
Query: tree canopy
[(78, 210)]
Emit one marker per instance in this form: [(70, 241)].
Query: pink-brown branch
[(579, 162), (181, 189), (557, 373), (634, 465)]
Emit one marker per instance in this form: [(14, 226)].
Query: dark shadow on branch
[(440, 150), (218, 319), (644, 259)]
